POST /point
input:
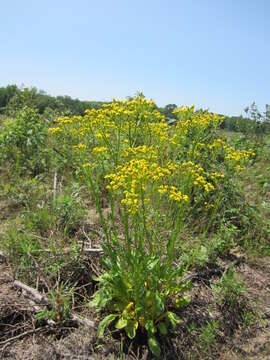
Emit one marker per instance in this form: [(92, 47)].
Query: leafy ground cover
[(156, 232)]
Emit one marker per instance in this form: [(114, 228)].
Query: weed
[(138, 166), (208, 335), (60, 305), (228, 290), (249, 318)]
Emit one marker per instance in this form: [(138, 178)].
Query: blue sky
[(213, 53)]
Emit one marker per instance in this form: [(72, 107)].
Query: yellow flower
[(54, 130), (99, 150), (163, 189), (80, 146)]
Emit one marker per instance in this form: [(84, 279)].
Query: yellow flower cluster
[(160, 130), (217, 143), (69, 120), (146, 157), (174, 194), (238, 155), (131, 200), (126, 113), (54, 130), (99, 150), (198, 175), (215, 175), (139, 169), (190, 119), (143, 151), (134, 177), (80, 146), (134, 169), (163, 189)]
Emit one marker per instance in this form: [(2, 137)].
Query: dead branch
[(35, 295), (42, 299), (83, 321), (94, 250), (22, 335), (87, 237), (67, 250)]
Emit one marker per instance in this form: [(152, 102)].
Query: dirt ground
[(21, 339)]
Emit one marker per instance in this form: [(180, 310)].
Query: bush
[(23, 142)]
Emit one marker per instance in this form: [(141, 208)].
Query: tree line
[(13, 98)]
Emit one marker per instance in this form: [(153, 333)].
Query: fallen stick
[(67, 250), (42, 299), (87, 237), (93, 250), (36, 296), (84, 321), (29, 332)]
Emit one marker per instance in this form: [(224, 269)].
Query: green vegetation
[(161, 200)]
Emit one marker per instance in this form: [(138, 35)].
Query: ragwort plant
[(155, 179)]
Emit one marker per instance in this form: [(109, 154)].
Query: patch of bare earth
[(256, 343)]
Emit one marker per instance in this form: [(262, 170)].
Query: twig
[(41, 299), (87, 237), (94, 250), (54, 185), (67, 250), (94, 268), (37, 297), (34, 331), (84, 321)]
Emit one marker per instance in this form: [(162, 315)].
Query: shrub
[(23, 142)]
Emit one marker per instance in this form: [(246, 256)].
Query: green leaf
[(185, 300), (104, 323), (158, 304), (173, 318), (152, 263), (162, 328), (95, 301), (131, 327), (121, 323), (149, 325), (96, 278), (154, 346), (100, 299)]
